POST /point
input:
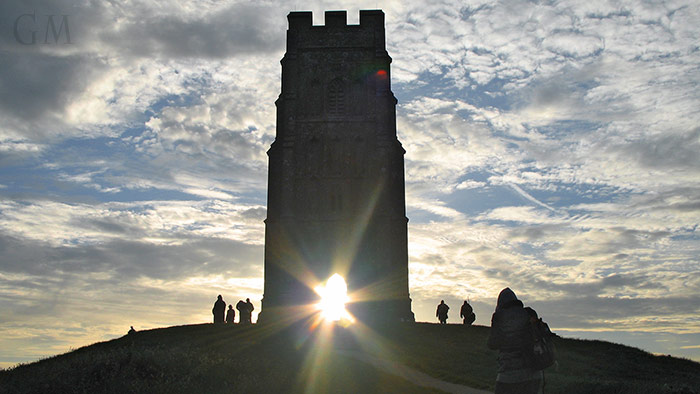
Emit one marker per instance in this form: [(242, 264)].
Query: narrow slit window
[(336, 98)]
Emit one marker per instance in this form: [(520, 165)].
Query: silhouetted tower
[(336, 178)]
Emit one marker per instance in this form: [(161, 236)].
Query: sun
[(334, 295)]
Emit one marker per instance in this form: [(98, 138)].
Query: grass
[(459, 355), (220, 359)]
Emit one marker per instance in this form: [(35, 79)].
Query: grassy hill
[(216, 359)]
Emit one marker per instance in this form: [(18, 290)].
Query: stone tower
[(336, 177)]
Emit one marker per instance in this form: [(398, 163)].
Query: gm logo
[(26, 29)]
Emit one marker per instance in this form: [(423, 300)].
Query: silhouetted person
[(242, 307), (510, 335), (441, 312), (219, 309), (131, 331), (467, 314), (230, 314), (248, 311)]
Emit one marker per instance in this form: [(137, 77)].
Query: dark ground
[(216, 359)]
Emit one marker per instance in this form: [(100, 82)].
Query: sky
[(551, 146)]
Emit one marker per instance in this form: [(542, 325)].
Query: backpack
[(542, 353), (470, 319)]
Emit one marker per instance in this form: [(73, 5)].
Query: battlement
[(299, 20), (336, 33)]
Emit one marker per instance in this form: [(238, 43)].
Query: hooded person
[(510, 335), (219, 309)]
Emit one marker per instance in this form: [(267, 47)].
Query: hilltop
[(215, 359)]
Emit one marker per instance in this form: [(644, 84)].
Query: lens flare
[(334, 295)]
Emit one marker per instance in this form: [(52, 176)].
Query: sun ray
[(345, 254)]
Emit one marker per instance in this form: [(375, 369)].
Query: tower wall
[(336, 199)]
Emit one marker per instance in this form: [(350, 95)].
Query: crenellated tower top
[(303, 34)]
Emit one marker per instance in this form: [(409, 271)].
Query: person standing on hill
[(230, 315), (441, 312), (510, 335), (248, 311), (245, 309), (241, 306), (467, 314), (219, 309)]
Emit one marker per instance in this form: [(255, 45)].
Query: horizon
[(550, 148)]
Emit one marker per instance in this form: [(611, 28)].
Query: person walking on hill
[(441, 312), (230, 315), (510, 335), (467, 314), (219, 309)]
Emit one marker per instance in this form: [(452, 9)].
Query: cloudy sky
[(551, 147)]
